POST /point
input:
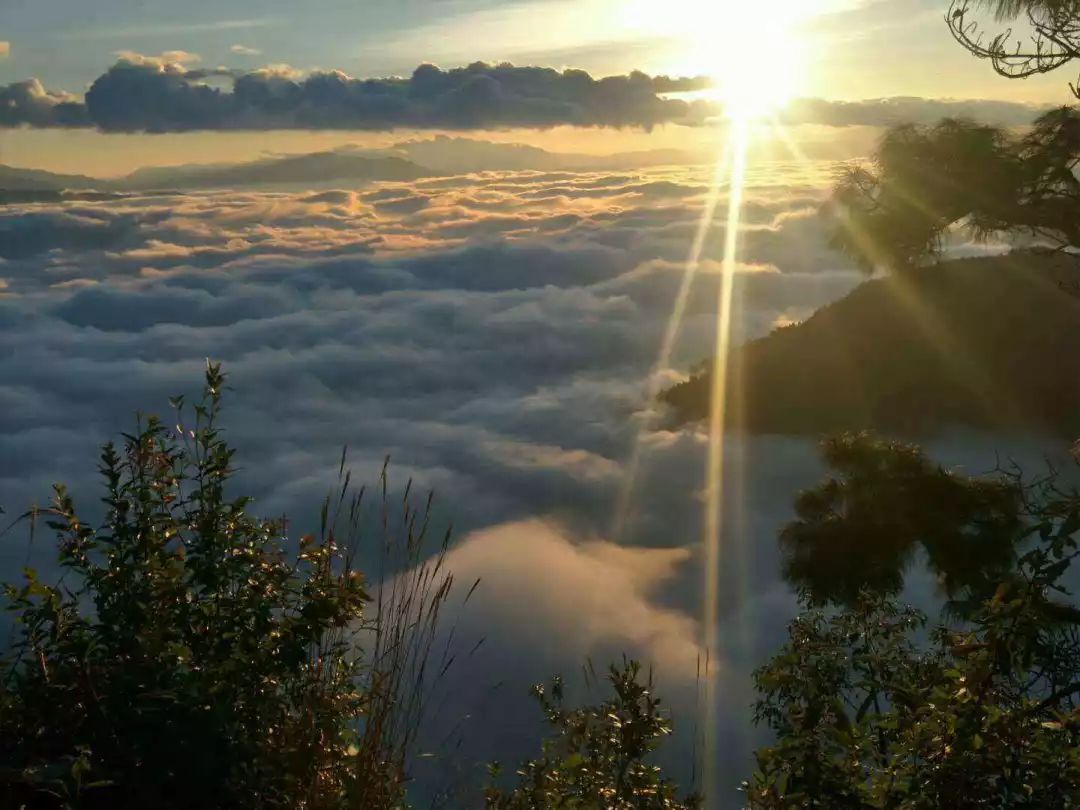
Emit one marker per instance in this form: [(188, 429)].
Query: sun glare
[(753, 51)]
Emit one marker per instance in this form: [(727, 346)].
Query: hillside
[(34, 185), (16, 179), (989, 342)]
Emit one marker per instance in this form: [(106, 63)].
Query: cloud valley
[(494, 333)]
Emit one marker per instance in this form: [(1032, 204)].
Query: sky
[(492, 320), (837, 50), (857, 48)]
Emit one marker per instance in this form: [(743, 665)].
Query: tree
[(923, 181), (868, 713), (1053, 35), (192, 655), (861, 527), (598, 755)]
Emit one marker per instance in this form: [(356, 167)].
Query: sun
[(753, 50)]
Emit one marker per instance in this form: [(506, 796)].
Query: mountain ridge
[(404, 161), (986, 343)]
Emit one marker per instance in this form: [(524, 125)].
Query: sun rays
[(723, 206), (753, 52), (715, 463), (723, 40)]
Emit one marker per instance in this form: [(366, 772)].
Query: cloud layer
[(496, 334), (161, 94), (164, 94)]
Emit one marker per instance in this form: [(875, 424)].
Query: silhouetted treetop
[(875, 708), (923, 181), (883, 500)]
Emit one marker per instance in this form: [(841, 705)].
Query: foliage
[(925, 180), (1052, 33), (597, 757), (860, 527), (192, 655), (987, 342), (869, 714)]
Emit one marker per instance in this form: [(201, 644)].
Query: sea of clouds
[(496, 334)]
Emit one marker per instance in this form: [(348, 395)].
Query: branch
[(1054, 41)]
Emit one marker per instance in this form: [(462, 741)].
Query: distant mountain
[(318, 168), (14, 179), (990, 343), (408, 160), (311, 169), (466, 155)]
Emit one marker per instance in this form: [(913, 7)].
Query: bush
[(192, 655), (868, 714), (598, 756)]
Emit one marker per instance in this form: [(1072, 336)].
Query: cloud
[(497, 342), (541, 588), (162, 61), (882, 112), (29, 103), (5, 49), (157, 94), (164, 94)]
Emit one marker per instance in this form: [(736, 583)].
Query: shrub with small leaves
[(193, 655), (598, 756), (869, 711)]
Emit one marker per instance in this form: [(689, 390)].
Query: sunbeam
[(714, 473), (671, 333)]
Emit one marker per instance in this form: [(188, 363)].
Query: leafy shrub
[(869, 714), (193, 655), (597, 756)]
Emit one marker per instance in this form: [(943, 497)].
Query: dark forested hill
[(986, 342)]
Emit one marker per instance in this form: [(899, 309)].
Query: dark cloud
[(163, 94), (882, 112), (29, 103), (149, 94)]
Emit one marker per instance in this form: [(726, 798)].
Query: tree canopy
[(598, 756), (923, 181), (885, 500)]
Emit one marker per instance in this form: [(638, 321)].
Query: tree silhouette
[(860, 528), (924, 180), (1052, 35)]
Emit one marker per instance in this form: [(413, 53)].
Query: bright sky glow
[(754, 51)]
